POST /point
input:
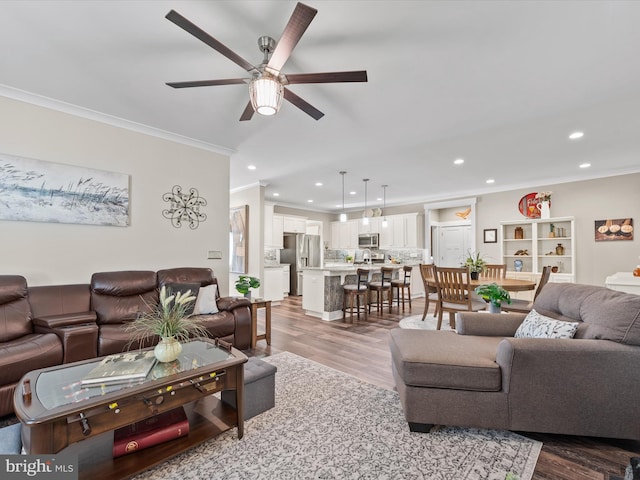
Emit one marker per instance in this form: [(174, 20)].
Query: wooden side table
[(255, 305)]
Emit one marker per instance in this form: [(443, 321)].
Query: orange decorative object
[(636, 272)]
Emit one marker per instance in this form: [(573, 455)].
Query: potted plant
[(170, 320), (475, 263), (245, 283), (495, 295)]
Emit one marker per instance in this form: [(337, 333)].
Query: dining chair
[(401, 284), (525, 306), (428, 274), (381, 287), (455, 294), (494, 271), (356, 291)]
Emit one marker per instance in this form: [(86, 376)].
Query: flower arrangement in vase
[(170, 320), (495, 295), (544, 204)]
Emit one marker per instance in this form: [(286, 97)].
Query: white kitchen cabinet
[(285, 279), (273, 227), (386, 233), (344, 235), (295, 224), (278, 231), (540, 244), (402, 231), (272, 284)]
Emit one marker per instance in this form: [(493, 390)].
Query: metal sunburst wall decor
[(185, 207)]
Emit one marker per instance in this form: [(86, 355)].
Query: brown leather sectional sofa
[(50, 325)]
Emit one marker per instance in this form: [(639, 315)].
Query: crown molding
[(68, 108)]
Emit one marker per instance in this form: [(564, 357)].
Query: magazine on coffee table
[(121, 368)]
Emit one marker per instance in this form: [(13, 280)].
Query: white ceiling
[(500, 84)]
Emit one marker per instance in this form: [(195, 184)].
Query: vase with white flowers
[(171, 321), (544, 204)]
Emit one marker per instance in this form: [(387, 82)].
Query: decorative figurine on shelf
[(517, 264), (518, 233), (559, 249), (552, 233)]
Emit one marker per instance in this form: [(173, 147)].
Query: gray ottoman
[(259, 388)]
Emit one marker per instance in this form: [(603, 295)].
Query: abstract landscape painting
[(38, 191)]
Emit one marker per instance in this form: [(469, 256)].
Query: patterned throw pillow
[(539, 326)]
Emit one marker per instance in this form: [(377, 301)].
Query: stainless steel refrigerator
[(300, 251)]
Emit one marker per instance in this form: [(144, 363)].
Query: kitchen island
[(322, 288)]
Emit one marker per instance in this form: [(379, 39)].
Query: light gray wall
[(586, 201), (51, 253)]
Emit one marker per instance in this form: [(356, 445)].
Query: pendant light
[(343, 215), (384, 206), (365, 219)]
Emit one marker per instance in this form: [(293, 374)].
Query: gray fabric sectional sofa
[(482, 376)]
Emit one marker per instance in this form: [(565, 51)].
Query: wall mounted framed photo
[(614, 229), (238, 217), (490, 235)]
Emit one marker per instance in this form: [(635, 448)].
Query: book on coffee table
[(151, 431), (121, 368)]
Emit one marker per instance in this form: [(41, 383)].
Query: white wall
[(253, 196), (50, 253)]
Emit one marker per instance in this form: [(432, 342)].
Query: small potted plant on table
[(495, 295), (245, 283), (475, 263)]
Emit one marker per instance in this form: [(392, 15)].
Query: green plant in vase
[(245, 283), (495, 295), (169, 319), (475, 264)]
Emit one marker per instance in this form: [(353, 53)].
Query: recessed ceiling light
[(352, 193), (251, 167), (276, 194), (379, 199), (491, 180), (459, 161), (338, 206), (318, 184), (576, 135), (584, 165), (309, 201)]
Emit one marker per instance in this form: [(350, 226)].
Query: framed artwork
[(615, 229), (39, 191), (491, 235), (238, 226)]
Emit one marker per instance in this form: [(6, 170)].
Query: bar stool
[(402, 284), (384, 285), (354, 292)]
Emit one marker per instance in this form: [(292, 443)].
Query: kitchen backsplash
[(399, 255)]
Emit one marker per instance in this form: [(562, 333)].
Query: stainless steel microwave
[(368, 240)]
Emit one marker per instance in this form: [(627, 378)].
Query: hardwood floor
[(361, 349)]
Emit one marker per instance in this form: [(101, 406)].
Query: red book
[(151, 431)]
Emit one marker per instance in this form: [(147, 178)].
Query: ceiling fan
[(267, 87)]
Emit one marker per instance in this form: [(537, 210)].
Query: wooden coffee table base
[(208, 418)]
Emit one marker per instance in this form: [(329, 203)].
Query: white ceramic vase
[(167, 349), (545, 210)]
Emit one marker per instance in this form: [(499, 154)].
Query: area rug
[(330, 425), (429, 323)]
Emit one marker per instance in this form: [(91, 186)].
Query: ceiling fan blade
[(329, 77), (248, 112), (208, 83), (298, 23), (302, 104), (200, 34)]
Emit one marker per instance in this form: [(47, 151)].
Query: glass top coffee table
[(62, 413)]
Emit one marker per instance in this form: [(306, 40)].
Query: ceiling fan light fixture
[(266, 94)]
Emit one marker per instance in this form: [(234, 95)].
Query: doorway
[(450, 244)]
